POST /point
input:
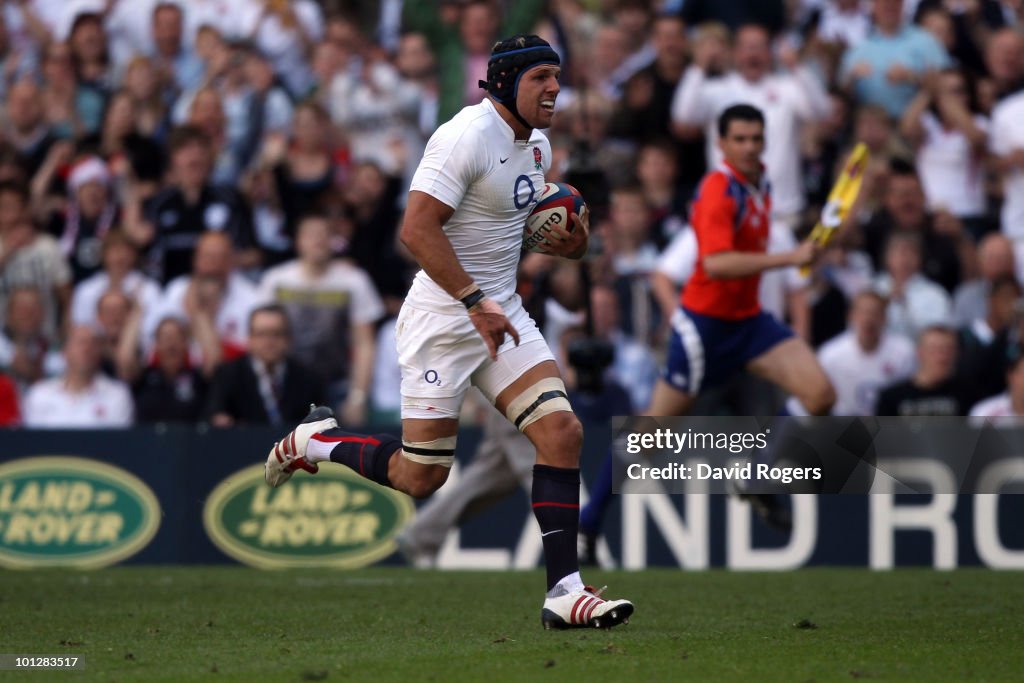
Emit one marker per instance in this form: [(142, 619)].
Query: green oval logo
[(72, 512), (335, 519)]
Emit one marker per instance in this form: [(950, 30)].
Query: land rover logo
[(76, 512), (335, 519)]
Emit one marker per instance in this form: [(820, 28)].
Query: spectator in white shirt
[(119, 258), (915, 302), (214, 290), (951, 136), (333, 307), (82, 398), (864, 359), (787, 99)]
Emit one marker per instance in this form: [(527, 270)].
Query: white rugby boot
[(289, 453), (584, 609)]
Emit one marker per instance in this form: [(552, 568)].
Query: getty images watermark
[(667, 440), (817, 455)]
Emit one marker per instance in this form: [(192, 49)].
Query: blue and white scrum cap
[(510, 59)]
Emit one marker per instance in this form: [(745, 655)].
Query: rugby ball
[(557, 203)]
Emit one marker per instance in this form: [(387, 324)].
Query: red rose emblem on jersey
[(537, 158)]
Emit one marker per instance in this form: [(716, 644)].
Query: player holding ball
[(462, 323)]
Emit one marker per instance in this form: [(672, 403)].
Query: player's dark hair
[(274, 309), (738, 112)]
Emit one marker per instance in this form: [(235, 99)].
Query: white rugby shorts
[(442, 355)]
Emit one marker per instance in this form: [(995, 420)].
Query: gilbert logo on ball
[(335, 519), (58, 511), (557, 203)]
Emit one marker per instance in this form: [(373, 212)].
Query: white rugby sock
[(568, 584), (319, 451)]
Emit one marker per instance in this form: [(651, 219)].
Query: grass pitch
[(237, 624)]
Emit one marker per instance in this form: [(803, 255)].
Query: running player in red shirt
[(720, 328)]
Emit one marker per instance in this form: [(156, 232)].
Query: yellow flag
[(840, 199)]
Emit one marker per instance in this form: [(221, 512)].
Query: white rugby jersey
[(474, 164), (858, 375)]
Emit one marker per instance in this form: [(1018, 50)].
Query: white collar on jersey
[(504, 124)]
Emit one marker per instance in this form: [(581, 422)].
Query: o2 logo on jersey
[(430, 377), (519, 190)]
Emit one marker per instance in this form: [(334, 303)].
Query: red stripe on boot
[(587, 610), (590, 612), (574, 506), (572, 615), (346, 439)]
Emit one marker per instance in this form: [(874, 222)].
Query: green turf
[(235, 624)]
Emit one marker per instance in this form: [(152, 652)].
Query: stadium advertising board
[(918, 514), (74, 512), (335, 519)]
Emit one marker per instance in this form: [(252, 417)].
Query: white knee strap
[(543, 398), (437, 452)]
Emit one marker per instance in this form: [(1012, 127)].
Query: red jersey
[(729, 214)]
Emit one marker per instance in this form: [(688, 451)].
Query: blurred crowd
[(199, 199)]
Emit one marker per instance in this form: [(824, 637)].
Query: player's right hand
[(490, 321)]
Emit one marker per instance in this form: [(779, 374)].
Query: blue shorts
[(704, 352)]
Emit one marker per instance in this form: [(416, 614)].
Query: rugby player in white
[(462, 323)]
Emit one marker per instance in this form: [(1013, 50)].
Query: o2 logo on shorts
[(430, 377), (520, 181)]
